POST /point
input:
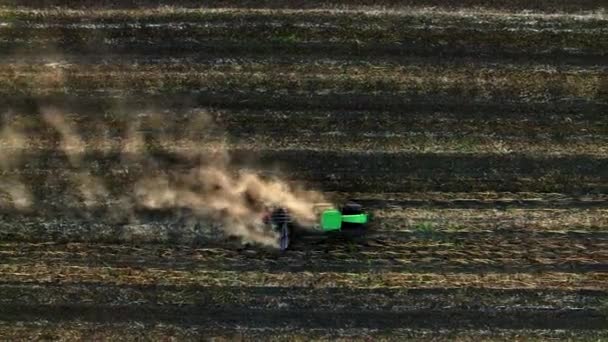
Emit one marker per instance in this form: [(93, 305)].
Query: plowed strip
[(548, 6), (129, 331), (280, 297), (205, 316), (137, 276)]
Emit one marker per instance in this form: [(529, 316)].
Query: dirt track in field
[(474, 133)]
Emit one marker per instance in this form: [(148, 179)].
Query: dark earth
[(473, 132)]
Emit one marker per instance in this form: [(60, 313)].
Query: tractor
[(350, 220)]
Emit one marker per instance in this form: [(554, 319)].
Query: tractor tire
[(284, 236), (352, 229), (280, 216), (352, 208), (282, 223)]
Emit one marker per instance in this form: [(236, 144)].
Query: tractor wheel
[(352, 208), (284, 237), (281, 221), (352, 229), (280, 216)]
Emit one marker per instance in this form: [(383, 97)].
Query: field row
[(472, 200), (496, 219), (238, 99), (59, 274), (108, 127), (546, 6), (267, 137), (106, 161), (190, 129), (419, 252), (397, 51), (292, 67), (55, 172), (411, 33), (481, 118), (215, 57), (312, 18), (162, 331), (124, 224), (188, 315), (581, 52), (472, 84), (323, 299)]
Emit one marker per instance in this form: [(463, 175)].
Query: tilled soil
[(474, 133)]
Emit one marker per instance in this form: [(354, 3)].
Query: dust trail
[(13, 191), (91, 189), (238, 200), (184, 171), (71, 144), (216, 189)]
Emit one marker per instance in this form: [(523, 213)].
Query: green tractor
[(350, 220)]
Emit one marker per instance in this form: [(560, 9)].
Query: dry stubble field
[(475, 132)]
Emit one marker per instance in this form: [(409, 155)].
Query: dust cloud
[(199, 178), (216, 189), (91, 189), (13, 191)]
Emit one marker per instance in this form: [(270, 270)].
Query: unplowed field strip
[(498, 204), (513, 219)]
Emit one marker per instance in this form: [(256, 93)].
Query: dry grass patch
[(556, 220)]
